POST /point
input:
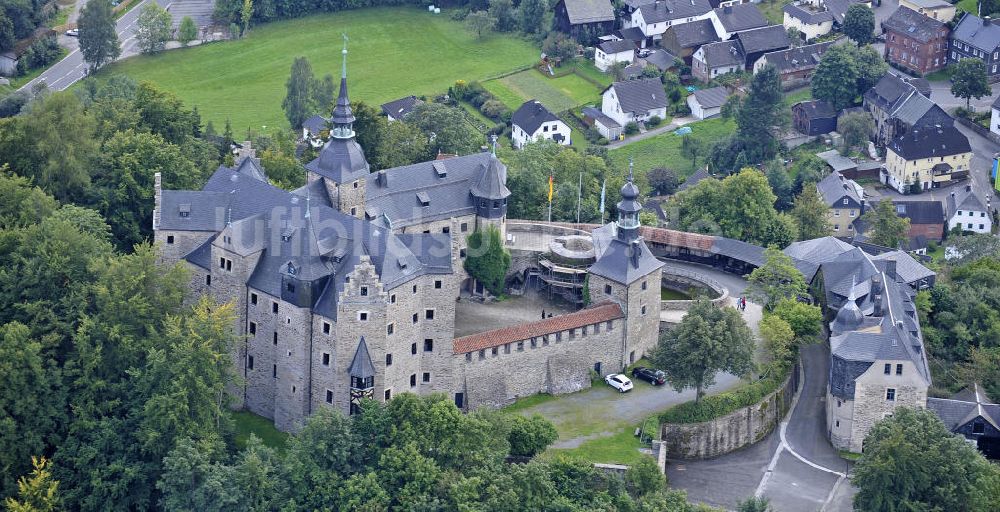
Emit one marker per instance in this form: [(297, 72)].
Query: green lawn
[(668, 294), (665, 149), (771, 9), (557, 94), (587, 69), (249, 423), (967, 6), (942, 75), (394, 52), (798, 95)]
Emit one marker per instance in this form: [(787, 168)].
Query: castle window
[(461, 253), (414, 288), (388, 395), (482, 355), (899, 369), (446, 229), (644, 285), (572, 333), (388, 359), (610, 325), (222, 263), (329, 396), (326, 327), (887, 369), (607, 289), (534, 342), (413, 348), (838, 423), (428, 345), (890, 394), (250, 362), (494, 351), (274, 371), (415, 318), (437, 284), (389, 329), (468, 356), (364, 291), (355, 183), (293, 389), (426, 377), (429, 314), (290, 287), (545, 341), (506, 348), (208, 280), (413, 380), (170, 239), (354, 211), (253, 328), (463, 227), (253, 299), (392, 299), (326, 359), (558, 337), (363, 316), (274, 307), (520, 346), (644, 310), (597, 328)]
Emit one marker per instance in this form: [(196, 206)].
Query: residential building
[(654, 18), (397, 109), (610, 52), (660, 59), (706, 103), (315, 130), (937, 9), (898, 106), (757, 42), (927, 156), (634, 101), (972, 415), (716, 59), (978, 38), (966, 211), (915, 42), (633, 34), (814, 117), (532, 122), (995, 116), (845, 200), (927, 223), (606, 126), (795, 65), (584, 19), (692, 180), (682, 40), (731, 19), (815, 18)]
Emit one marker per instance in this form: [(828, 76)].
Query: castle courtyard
[(474, 316)]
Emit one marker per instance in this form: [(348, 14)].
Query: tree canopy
[(884, 226), (970, 80), (98, 36), (776, 279), (488, 260), (859, 24), (153, 28)]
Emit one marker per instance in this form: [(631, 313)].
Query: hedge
[(716, 406)]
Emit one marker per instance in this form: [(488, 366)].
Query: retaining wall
[(730, 432), (694, 279)]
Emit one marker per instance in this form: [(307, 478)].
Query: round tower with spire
[(627, 227), (490, 193), (341, 163)]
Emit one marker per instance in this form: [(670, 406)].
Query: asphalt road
[(72, 68)]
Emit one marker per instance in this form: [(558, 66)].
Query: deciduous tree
[(299, 93), (855, 127), (708, 340), (836, 77), (884, 226), (487, 259), (505, 13), (480, 22), (153, 28), (451, 133), (98, 37), (533, 16), (859, 24), (187, 31), (775, 280), (970, 80), (809, 212), (663, 181)]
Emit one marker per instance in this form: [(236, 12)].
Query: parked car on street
[(73, 32), (619, 382), (650, 375)]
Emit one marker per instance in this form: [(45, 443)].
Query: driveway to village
[(675, 124), (72, 68)]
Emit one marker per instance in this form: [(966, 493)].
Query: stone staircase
[(199, 10)]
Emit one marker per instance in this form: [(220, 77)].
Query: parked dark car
[(650, 375)]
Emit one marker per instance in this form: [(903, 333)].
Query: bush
[(715, 406), (41, 53), (631, 128), (493, 109), (682, 109), (530, 436), (654, 121)]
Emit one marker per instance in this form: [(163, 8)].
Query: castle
[(345, 289)]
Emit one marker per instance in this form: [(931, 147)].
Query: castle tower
[(490, 193), (341, 163), (628, 210)]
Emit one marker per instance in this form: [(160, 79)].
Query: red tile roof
[(593, 315), (677, 238)]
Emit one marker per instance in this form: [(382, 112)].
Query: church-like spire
[(343, 117), (629, 208)]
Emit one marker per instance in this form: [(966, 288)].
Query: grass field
[(249, 423), (557, 94), (665, 150), (771, 9), (389, 58), (970, 6)]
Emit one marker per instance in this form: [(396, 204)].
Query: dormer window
[(440, 170), (291, 269), (184, 210), (425, 200)]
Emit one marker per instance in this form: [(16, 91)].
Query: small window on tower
[(274, 307), (326, 359), (413, 348), (326, 327), (437, 284), (329, 396), (275, 338), (428, 345), (413, 380), (208, 280), (388, 359), (253, 328), (170, 239), (253, 299), (250, 362), (607, 289)]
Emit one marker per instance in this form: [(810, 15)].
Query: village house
[(706, 103), (731, 19), (315, 130), (972, 415), (659, 58), (937, 9), (682, 40), (845, 201), (654, 18), (915, 42), (609, 52), (977, 38), (795, 65), (584, 19), (755, 43), (634, 101), (716, 59), (532, 122), (606, 126), (397, 109), (814, 117), (898, 105), (966, 211), (815, 18), (926, 157)]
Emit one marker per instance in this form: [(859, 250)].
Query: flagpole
[(551, 178), (579, 198), (604, 185)]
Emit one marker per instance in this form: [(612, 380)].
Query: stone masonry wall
[(730, 432), (870, 402)]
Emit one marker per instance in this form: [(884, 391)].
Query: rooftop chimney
[(890, 269), (968, 188)]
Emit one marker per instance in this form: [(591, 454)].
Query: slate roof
[(912, 24), (669, 10), (393, 192), (341, 160), (618, 46), (620, 261), (834, 187), (963, 199), (724, 53), (920, 212), (597, 115), (930, 141), (640, 95), (764, 39), (316, 124), (589, 11), (593, 315), (251, 167), (816, 109), (740, 17), (633, 34), (835, 10), (965, 406), (797, 59), (852, 268), (971, 30), (662, 59), (817, 250), (711, 98), (361, 365), (530, 116), (695, 34), (907, 268), (399, 108), (693, 179), (930, 4)]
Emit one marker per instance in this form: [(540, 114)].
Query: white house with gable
[(532, 122), (610, 52), (634, 101), (968, 212)]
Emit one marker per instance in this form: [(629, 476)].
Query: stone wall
[(692, 279), (730, 432)]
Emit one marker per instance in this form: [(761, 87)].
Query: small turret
[(628, 209), (849, 317), (490, 190)]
